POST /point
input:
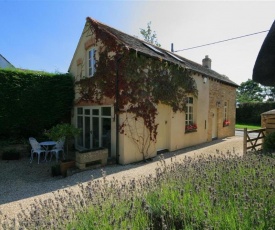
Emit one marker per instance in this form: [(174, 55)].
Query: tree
[(149, 35), (250, 91), (269, 93)]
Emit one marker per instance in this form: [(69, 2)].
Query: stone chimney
[(206, 62)]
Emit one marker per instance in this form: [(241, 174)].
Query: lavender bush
[(225, 192)]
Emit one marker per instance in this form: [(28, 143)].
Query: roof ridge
[(135, 43), (133, 36)]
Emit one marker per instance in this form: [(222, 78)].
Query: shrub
[(32, 101), (63, 131), (11, 154), (269, 143), (250, 113)]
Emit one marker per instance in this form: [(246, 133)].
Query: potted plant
[(226, 123), (64, 131), (55, 170), (191, 127)]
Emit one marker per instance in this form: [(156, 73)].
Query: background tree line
[(251, 91), (253, 99)]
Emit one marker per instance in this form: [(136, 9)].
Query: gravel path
[(22, 182)]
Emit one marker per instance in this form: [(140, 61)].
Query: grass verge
[(242, 126)]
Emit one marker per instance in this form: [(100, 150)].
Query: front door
[(95, 123)]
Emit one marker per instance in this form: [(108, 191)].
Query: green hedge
[(32, 101), (250, 113)]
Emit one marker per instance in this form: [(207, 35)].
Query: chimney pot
[(206, 62)]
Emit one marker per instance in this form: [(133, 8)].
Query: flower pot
[(65, 165), (55, 170)]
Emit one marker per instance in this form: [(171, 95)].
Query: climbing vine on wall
[(142, 82)]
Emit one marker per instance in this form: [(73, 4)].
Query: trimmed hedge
[(250, 113), (32, 101)]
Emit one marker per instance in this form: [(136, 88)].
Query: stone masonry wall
[(219, 93)]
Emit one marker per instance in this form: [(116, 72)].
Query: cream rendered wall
[(179, 138), (171, 128), (129, 147), (79, 63), (78, 68)]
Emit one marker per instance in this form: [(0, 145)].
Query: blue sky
[(43, 35)]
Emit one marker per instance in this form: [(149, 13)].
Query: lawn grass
[(223, 192), (242, 126)]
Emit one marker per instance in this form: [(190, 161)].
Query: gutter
[(117, 108)]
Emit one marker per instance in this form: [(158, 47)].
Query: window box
[(190, 128), (226, 123)]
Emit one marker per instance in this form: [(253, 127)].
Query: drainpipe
[(117, 108)]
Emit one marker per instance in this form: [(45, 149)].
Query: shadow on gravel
[(20, 179)]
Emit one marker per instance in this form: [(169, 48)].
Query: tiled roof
[(138, 45)]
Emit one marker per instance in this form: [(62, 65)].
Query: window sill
[(190, 131)]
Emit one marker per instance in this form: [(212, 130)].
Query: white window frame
[(189, 115), (91, 62), (225, 111)]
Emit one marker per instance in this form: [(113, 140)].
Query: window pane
[(91, 62), (106, 111), (80, 126), (87, 132), (79, 110), (95, 112), (190, 100), (95, 132), (87, 112)]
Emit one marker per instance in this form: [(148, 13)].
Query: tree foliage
[(269, 93), (250, 91), (149, 35)]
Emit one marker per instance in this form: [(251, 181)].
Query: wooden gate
[(253, 143)]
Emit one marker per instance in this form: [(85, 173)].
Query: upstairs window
[(91, 62)]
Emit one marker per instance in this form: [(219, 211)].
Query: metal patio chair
[(36, 148)]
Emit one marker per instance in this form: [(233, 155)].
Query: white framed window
[(189, 115), (91, 62), (225, 111)]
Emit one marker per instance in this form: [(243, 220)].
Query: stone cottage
[(138, 100)]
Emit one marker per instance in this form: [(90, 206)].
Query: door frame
[(80, 122)]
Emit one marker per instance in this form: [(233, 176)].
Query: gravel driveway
[(21, 182)]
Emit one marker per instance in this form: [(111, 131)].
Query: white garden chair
[(59, 147), (36, 148)]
